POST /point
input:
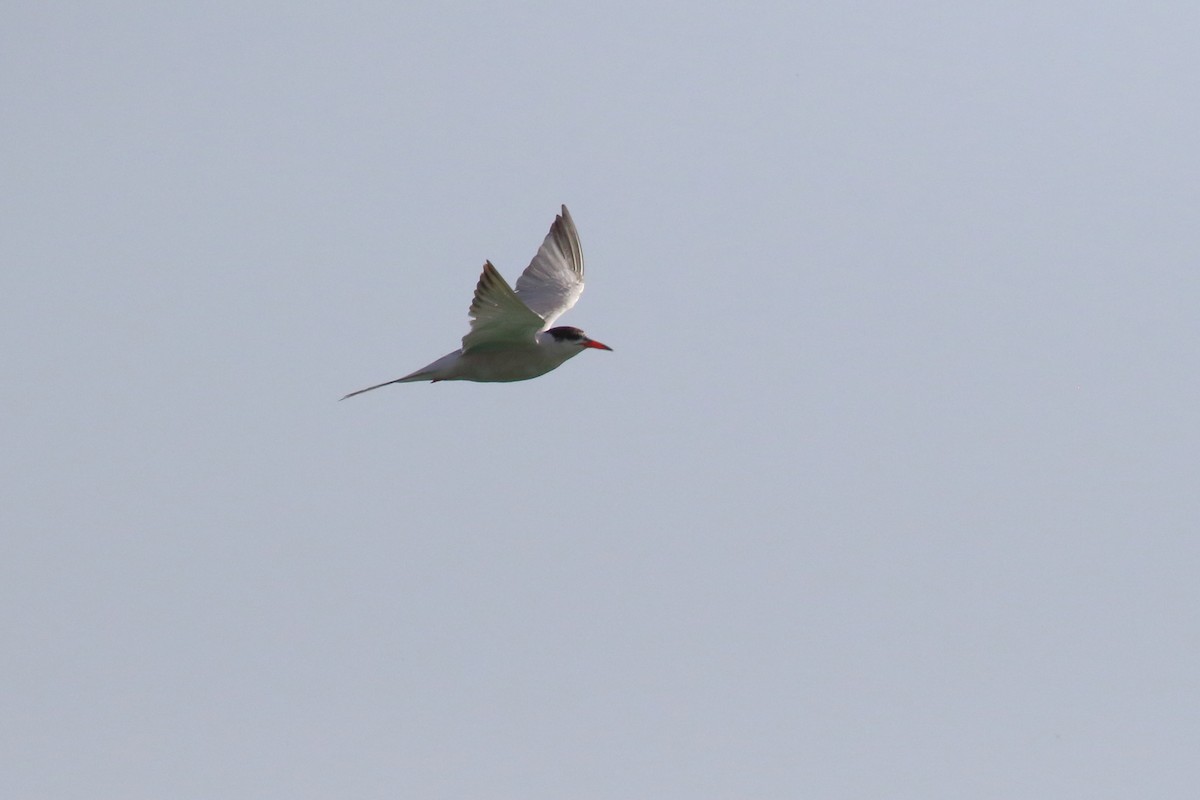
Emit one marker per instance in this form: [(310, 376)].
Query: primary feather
[(553, 281), (497, 315)]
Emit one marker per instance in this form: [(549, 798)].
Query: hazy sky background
[(889, 488)]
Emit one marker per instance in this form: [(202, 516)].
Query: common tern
[(510, 337)]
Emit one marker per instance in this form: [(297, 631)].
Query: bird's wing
[(553, 281), (497, 315)]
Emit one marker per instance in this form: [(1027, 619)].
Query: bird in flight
[(510, 337)]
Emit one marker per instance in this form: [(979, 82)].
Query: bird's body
[(497, 364), (510, 337)]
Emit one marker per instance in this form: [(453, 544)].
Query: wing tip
[(487, 279), (564, 218)]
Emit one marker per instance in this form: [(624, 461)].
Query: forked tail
[(416, 376)]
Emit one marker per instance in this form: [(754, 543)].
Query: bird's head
[(566, 336)]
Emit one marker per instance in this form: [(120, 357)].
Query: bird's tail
[(413, 378)]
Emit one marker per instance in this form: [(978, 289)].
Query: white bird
[(510, 337)]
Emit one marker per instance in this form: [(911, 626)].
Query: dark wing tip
[(486, 279), (566, 236)]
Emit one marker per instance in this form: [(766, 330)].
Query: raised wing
[(553, 281), (497, 315)]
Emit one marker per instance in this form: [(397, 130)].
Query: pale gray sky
[(888, 489)]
